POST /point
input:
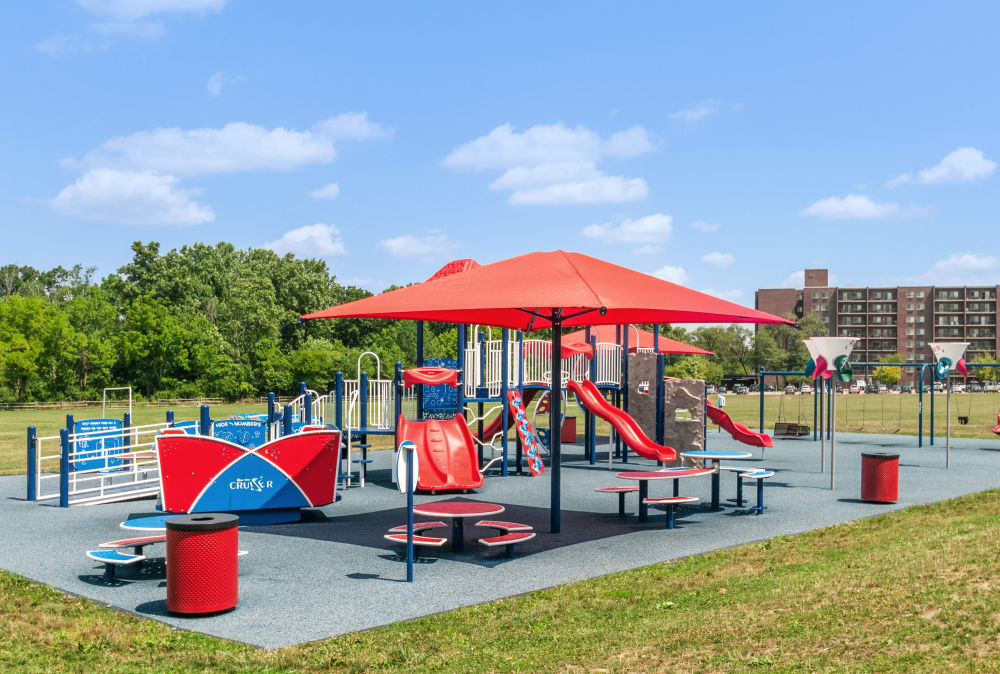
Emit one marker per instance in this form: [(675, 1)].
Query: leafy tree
[(984, 373), (696, 367), (887, 375)]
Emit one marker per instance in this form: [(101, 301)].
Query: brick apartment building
[(894, 320)]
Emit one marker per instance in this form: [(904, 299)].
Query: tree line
[(214, 321), (202, 320)]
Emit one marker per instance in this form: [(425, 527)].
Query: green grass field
[(879, 413), (911, 591)]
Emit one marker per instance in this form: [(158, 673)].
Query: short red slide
[(446, 455), (738, 430)]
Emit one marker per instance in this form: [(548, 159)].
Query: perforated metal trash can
[(202, 563), (879, 477)]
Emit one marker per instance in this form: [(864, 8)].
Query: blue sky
[(723, 146)]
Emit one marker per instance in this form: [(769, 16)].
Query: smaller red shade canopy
[(576, 342)]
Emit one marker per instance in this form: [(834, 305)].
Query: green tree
[(887, 375)]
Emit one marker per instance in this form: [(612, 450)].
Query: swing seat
[(963, 420)]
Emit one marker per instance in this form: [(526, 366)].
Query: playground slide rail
[(628, 429), (738, 430)]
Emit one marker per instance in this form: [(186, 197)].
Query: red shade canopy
[(607, 333), (522, 292)]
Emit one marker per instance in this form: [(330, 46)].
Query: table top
[(154, 523), (458, 509), (720, 454), (664, 474)]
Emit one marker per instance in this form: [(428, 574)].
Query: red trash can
[(879, 477), (568, 430), (202, 562)]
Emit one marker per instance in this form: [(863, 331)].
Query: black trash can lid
[(203, 522), (879, 455)]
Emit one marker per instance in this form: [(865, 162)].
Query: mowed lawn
[(912, 591), (869, 413)]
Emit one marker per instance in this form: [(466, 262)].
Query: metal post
[(822, 432), (592, 430), (761, 389), (520, 392), (932, 410), (308, 402), (63, 468), (170, 417), (555, 422), (397, 400), (302, 389), (363, 395), (206, 421), (829, 408), (833, 436), (408, 447), (504, 399), (286, 421), (271, 414), (815, 403), (947, 425), (126, 438), (338, 403), (461, 368), (420, 363), (920, 407), (625, 383), (32, 463), (659, 401)]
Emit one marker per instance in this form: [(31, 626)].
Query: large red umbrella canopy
[(577, 341), (541, 290), (523, 293)]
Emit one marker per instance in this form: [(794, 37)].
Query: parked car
[(769, 389), (882, 388), (938, 387), (958, 388), (711, 390), (991, 387), (907, 389), (925, 388), (896, 388), (871, 388), (790, 389), (805, 389), (975, 388), (740, 389)]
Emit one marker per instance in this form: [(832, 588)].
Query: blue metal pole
[(592, 435), (829, 407), (920, 407), (397, 407), (32, 463), (63, 468), (364, 405), (625, 384), (286, 421), (932, 409), (761, 389), (659, 399), (816, 395), (302, 390), (126, 423), (170, 417), (206, 421), (338, 403), (504, 400), (461, 368), (420, 363), (308, 402)]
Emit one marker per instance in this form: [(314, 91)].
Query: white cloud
[(131, 197), (136, 9), (698, 111), (849, 207), (965, 269), (123, 18), (602, 190), (220, 79), (319, 240), (717, 259), (963, 165), (425, 248), (237, 146), (901, 179), (703, 226), (733, 295), (555, 164), (328, 191), (797, 279), (671, 273), (652, 231), (171, 154)]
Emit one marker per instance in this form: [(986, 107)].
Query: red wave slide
[(632, 435), (446, 454), (494, 427), (738, 430)]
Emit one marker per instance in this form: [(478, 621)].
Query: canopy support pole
[(555, 425)]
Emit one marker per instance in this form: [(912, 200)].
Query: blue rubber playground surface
[(334, 573)]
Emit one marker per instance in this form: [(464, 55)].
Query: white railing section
[(106, 482)]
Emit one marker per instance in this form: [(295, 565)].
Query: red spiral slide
[(632, 435), (738, 430)]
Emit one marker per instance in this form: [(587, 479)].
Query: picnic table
[(716, 457), (644, 476), (457, 511)]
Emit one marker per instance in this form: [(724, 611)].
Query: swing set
[(786, 429)]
